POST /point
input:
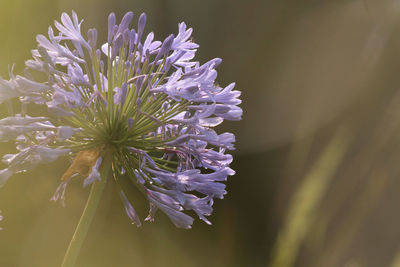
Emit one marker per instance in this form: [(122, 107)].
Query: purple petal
[(130, 211), (111, 24), (94, 174)]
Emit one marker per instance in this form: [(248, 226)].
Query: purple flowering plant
[(133, 108)]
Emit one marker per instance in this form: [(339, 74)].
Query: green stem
[(88, 213)]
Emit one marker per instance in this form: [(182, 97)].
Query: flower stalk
[(86, 219)]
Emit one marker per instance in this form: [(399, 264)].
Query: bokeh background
[(318, 149)]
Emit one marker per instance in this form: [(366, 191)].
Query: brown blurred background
[(318, 178)]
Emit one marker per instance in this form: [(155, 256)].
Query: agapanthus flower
[(146, 100)]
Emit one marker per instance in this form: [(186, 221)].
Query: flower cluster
[(146, 100)]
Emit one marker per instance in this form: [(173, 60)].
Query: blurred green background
[(317, 180)]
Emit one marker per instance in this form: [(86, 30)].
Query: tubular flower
[(146, 100)]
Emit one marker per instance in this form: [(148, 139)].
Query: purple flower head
[(145, 99)]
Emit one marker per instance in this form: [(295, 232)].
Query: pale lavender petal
[(111, 24), (21, 120), (59, 195), (94, 175), (165, 47), (126, 20), (130, 211), (92, 36), (120, 94), (8, 132), (171, 208), (141, 25), (31, 156), (202, 206), (65, 132), (71, 30), (5, 174)]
